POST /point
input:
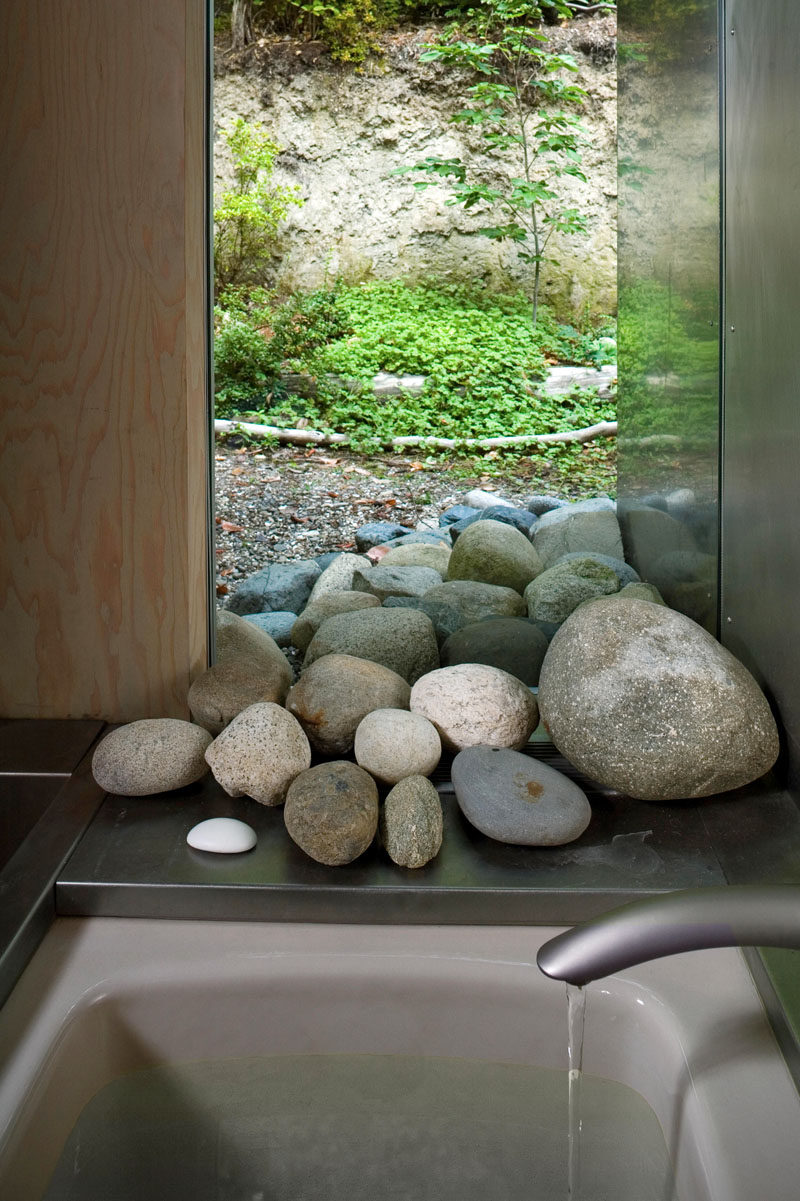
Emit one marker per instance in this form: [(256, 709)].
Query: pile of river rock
[(434, 642)]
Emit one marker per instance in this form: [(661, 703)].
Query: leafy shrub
[(247, 218)]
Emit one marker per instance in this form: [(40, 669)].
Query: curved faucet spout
[(737, 915)]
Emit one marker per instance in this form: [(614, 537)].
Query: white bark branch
[(603, 429)]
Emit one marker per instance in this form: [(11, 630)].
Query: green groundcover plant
[(483, 363)]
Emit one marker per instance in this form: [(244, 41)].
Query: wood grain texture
[(102, 380)]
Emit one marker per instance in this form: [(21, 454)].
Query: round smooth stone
[(514, 798), (223, 835)]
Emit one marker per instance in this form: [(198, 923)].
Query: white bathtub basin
[(104, 998)]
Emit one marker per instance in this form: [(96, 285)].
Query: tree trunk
[(241, 24)]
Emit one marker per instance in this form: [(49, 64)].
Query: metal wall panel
[(761, 457), (669, 298)]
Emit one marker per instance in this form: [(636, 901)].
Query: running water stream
[(576, 1016)]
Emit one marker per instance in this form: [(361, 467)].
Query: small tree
[(516, 107), (247, 217)]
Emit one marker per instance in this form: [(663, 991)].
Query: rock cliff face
[(343, 133)]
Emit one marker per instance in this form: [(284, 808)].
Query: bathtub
[(104, 999)]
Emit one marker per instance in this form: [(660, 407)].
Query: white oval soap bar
[(225, 835)]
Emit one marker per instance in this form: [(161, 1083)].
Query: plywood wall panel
[(102, 440)]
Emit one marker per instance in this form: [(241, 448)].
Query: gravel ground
[(283, 504)]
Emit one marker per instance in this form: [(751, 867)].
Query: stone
[(328, 605), (650, 534), (421, 538), (515, 798), (250, 668), (383, 582), (473, 704), (326, 558), (418, 554), (281, 587), (152, 755), (494, 553), (446, 618), (642, 591), (391, 744), (402, 639), (544, 504), (458, 513), (375, 533), (513, 644), (557, 592), (411, 823), (645, 701), (277, 625), (222, 836), (475, 600), (338, 576), (259, 754), (479, 498), (334, 694), (624, 572), (520, 519), (331, 812), (584, 525)]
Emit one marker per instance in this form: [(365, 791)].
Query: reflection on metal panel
[(669, 237), (761, 461)]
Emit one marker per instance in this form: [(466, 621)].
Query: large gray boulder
[(281, 587), (475, 600), (584, 525), (402, 639), (384, 582), (643, 700), (494, 553), (328, 605), (510, 643), (557, 592)]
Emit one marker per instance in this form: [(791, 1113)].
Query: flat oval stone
[(514, 798), (222, 835), (152, 755)]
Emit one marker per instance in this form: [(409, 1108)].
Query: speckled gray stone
[(384, 582), (472, 704), (584, 525), (259, 754), (475, 600), (328, 605), (280, 587), (418, 554), (513, 644), (411, 822), (334, 694), (155, 754), (250, 668), (557, 592), (332, 812), (514, 798), (625, 573), (338, 576), (645, 701), (642, 591), (277, 625), (402, 639), (391, 744), (494, 553)]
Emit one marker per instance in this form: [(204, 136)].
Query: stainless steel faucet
[(740, 915)]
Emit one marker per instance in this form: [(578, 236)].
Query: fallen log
[(604, 429)]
